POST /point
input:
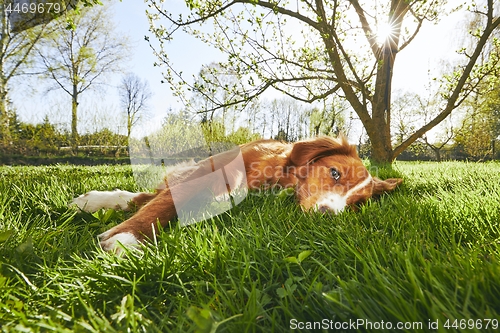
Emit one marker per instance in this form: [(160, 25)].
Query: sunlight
[(384, 31)]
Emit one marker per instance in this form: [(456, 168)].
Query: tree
[(79, 58), (406, 114), (23, 24), (134, 97), (411, 110), (285, 113), (330, 119), (209, 91), (33, 139), (481, 124), (15, 50), (316, 56)]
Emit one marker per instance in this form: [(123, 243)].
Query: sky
[(131, 19), (101, 106)]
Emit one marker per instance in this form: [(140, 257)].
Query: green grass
[(428, 252)]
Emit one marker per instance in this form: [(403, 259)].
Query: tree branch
[(371, 37), (451, 104)]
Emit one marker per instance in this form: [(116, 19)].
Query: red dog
[(326, 174)]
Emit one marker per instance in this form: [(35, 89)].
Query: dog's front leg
[(144, 224)]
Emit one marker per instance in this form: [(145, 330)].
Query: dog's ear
[(306, 151), (381, 186)]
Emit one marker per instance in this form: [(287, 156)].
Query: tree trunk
[(129, 125), (379, 129), (437, 151), (4, 116), (379, 126), (493, 152), (74, 119)]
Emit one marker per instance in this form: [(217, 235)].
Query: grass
[(428, 254)]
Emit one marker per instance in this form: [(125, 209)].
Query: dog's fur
[(326, 174)]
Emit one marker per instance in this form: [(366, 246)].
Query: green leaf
[(192, 4), (5, 235), (27, 246), (304, 254), (292, 259), (104, 216), (282, 293), (289, 282), (108, 215), (202, 319), (287, 192)]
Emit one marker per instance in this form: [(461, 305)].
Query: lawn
[(423, 258)]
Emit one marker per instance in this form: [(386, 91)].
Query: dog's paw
[(111, 241), (95, 200)]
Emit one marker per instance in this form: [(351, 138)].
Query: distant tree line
[(46, 139), (181, 132)]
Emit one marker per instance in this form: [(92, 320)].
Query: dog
[(325, 173)]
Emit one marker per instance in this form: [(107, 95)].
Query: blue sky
[(184, 51)]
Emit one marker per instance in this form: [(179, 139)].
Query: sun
[(384, 32)]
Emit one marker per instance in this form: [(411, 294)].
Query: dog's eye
[(335, 173)]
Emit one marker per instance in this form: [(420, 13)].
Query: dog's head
[(331, 176)]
